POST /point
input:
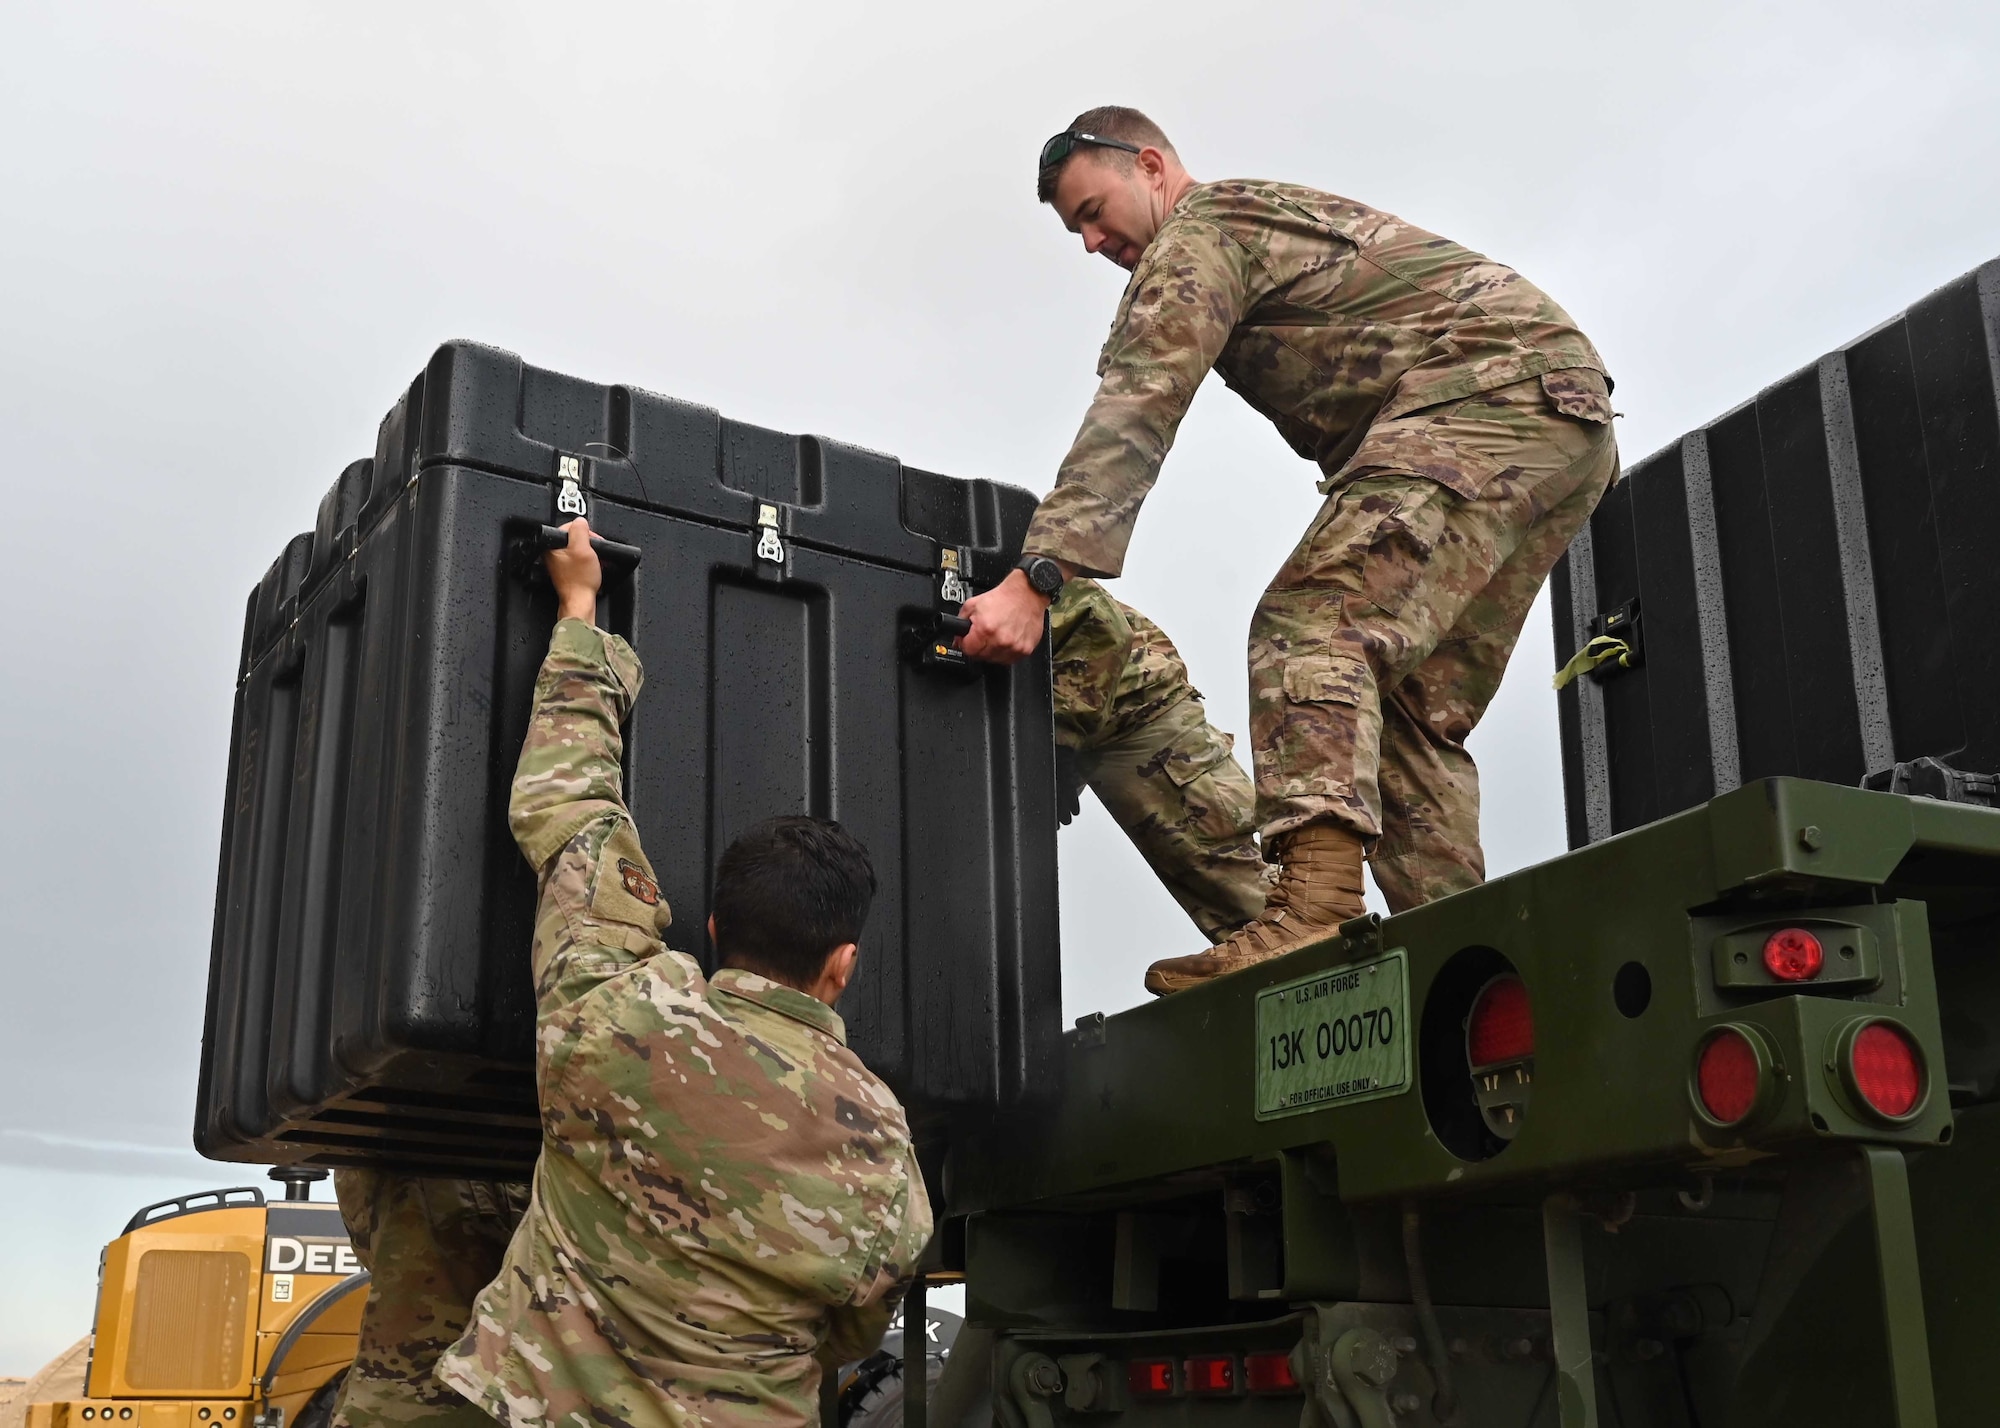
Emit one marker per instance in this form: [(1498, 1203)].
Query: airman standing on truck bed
[(725, 1195), (1462, 426)]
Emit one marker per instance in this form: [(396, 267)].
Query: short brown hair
[(1107, 121)]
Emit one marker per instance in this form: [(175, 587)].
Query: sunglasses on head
[(1065, 144)]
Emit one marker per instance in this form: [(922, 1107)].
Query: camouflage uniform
[(1141, 740), (724, 1190), (1462, 427), (431, 1245)]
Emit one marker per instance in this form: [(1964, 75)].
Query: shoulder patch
[(638, 884), (625, 888)]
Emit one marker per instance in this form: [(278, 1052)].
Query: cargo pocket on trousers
[(1312, 750), (1327, 679), (1388, 555), (1369, 540), (1217, 805)]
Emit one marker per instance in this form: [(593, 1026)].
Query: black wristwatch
[(1045, 577)]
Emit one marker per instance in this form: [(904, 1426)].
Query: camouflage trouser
[(431, 1245), (1140, 738), (1382, 639)]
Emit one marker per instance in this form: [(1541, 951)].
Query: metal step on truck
[(1698, 1124)]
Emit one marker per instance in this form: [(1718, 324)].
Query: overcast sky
[(232, 234)]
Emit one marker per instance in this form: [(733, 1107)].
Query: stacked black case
[(1811, 584), (369, 1000)]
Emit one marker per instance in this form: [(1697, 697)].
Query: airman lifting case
[(369, 996), (1809, 585)]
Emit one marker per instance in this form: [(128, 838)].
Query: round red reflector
[(1502, 1026), (1887, 1072), (1728, 1076), (1793, 955)]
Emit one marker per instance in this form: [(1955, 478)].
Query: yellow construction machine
[(221, 1310)]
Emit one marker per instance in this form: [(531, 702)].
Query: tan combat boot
[(1319, 887)]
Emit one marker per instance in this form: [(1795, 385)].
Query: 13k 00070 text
[(1330, 1040)]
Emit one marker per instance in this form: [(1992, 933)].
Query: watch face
[(1044, 575)]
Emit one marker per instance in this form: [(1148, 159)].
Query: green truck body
[(1597, 1249)]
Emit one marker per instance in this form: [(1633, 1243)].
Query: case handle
[(928, 643), (614, 555)]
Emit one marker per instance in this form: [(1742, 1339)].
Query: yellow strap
[(1601, 650)]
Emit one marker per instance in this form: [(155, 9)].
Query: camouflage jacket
[(1323, 314), (723, 1186)]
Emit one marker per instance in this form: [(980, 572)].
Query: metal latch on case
[(953, 563), (525, 552), (930, 642), (570, 502), (769, 546)]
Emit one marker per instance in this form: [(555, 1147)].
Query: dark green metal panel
[(1908, 1347), (1167, 1088), (1783, 827), (1569, 1312), (1616, 1256)]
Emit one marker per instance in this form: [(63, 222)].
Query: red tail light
[(1887, 1070), (1793, 955), (1211, 1374), (1729, 1076), (1502, 1026), (1269, 1373), (1150, 1378)]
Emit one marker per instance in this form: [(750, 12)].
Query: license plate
[(1338, 1035)]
